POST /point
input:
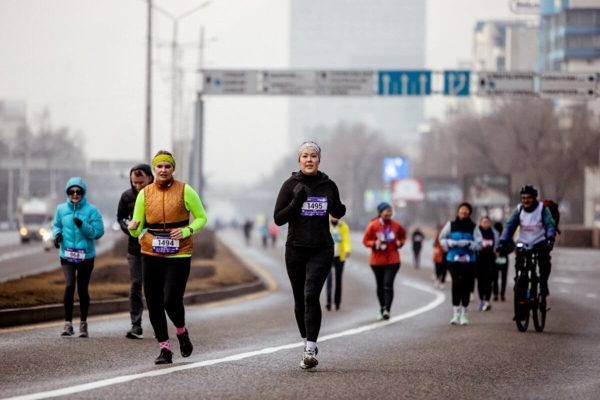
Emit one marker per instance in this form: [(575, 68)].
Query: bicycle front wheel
[(539, 314), (522, 303)]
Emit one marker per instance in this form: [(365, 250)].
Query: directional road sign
[(510, 84), (288, 82), (457, 83), (229, 82), (563, 84), (394, 168), (404, 83), (345, 83)]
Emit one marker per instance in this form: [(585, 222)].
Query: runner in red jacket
[(385, 237)]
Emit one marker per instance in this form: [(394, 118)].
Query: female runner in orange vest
[(161, 220)]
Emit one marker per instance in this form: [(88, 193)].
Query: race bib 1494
[(165, 245)]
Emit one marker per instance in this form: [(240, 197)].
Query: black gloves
[(78, 222), (300, 198), (504, 247), (550, 243), (57, 240)]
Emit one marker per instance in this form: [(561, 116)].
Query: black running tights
[(307, 269), (80, 273)]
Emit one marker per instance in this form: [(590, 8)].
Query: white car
[(47, 239)]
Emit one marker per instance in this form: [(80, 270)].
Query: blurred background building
[(357, 34)]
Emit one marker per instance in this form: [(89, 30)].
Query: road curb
[(55, 312)]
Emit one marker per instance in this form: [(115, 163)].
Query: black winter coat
[(308, 227), (125, 210)]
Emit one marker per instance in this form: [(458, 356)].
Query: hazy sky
[(85, 60)]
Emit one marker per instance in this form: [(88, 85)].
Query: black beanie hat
[(465, 204)]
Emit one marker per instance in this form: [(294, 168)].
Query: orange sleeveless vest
[(163, 207)]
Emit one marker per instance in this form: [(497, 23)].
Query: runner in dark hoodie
[(305, 202), (140, 176)]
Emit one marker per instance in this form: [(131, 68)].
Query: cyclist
[(537, 229)]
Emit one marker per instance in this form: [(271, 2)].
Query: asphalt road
[(19, 260), (250, 348)]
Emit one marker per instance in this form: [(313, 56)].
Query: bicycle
[(528, 296)]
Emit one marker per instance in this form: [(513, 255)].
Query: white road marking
[(592, 295), (563, 290), (440, 297), (562, 279), (21, 253)]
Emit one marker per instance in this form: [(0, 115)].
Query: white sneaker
[(486, 306), (455, 319), (309, 359), (464, 319)]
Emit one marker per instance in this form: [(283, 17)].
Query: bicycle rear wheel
[(522, 303), (539, 314)]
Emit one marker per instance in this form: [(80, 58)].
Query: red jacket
[(377, 230)]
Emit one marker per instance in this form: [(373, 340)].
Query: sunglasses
[(74, 192)]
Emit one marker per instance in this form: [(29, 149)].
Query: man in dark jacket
[(140, 176)]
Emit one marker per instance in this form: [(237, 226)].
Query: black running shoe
[(67, 330), (83, 330), (135, 332), (165, 357), (185, 345)]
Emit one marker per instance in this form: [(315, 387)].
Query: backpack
[(553, 207)]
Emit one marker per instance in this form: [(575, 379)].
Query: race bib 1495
[(314, 207)]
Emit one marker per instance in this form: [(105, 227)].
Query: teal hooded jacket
[(72, 236)]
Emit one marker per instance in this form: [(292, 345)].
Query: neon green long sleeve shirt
[(192, 204)]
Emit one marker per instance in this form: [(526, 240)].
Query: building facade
[(570, 35), (356, 34)]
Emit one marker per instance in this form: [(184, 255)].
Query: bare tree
[(528, 139)]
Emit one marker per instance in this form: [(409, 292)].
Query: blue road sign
[(404, 83), (456, 83), (394, 168)]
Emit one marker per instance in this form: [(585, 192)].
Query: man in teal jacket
[(77, 224)]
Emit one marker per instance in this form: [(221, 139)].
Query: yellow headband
[(163, 157)]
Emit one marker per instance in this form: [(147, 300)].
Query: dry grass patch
[(110, 278)]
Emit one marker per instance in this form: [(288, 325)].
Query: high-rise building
[(570, 35), (12, 118), (505, 46), (357, 34)]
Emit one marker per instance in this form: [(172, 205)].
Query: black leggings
[(440, 271), (502, 270), (164, 285), (80, 273), (385, 276), (307, 269), (485, 273), (462, 282), (338, 267)]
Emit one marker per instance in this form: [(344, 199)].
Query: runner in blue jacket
[(77, 224)]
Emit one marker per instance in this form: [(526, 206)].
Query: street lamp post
[(148, 136), (175, 79)]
